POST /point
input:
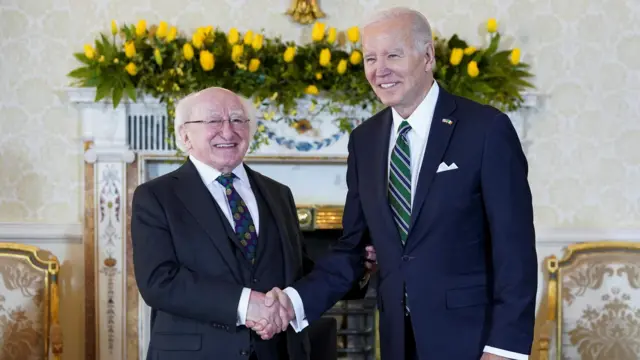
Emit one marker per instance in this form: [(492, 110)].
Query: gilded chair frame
[(554, 288), (50, 268)]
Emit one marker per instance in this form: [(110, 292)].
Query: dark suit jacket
[(469, 265), (186, 270)]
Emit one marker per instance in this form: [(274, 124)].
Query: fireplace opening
[(356, 324)]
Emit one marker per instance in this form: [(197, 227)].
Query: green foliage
[(169, 65)]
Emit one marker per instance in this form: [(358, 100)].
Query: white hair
[(185, 106), (420, 28)]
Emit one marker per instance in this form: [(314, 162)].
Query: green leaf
[(103, 89), (131, 91), (117, 96), (80, 73), (82, 58)]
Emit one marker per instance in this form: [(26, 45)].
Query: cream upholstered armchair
[(29, 302), (593, 303)]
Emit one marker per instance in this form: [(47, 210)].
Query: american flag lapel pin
[(447, 121)]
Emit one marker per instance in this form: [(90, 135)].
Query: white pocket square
[(445, 167)]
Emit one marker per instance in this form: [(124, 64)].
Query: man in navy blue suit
[(438, 185)]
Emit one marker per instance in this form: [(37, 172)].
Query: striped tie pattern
[(400, 182)]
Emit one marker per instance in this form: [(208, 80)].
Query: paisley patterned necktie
[(244, 226)]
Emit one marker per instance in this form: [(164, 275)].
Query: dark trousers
[(410, 349)]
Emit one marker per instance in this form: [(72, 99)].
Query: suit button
[(255, 280), (406, 258), (244, 353)]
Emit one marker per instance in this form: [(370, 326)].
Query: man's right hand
[(269, 314)]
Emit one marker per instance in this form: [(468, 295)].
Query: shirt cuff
[(505, 353), (300, 321), (243, 306)]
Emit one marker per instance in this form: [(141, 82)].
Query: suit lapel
[(273, 203), (380, 158), (198, 201), (439, 136)]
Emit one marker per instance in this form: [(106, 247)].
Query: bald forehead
[(217, 103)]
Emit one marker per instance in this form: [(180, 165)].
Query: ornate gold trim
[(555, 268), (305, 11), (320, 217), (51, 268)]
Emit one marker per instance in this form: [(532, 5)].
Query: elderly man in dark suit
[(439, 183), (210, 238)]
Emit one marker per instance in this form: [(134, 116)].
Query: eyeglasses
[(217, 123)]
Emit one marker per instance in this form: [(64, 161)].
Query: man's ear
[(430, 57), (184, 136)]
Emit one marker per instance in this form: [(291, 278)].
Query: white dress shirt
[(243, 186), (420, 121)]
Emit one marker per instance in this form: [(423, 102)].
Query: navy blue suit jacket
[(469, 264)]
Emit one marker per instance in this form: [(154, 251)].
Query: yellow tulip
[(356, 57), (258, 39), (311, 90), (353, 34), (472, 69), (236, 52), (318, 76), (173, 32), (197, 39), (325, 57), (492, 25), (207, 61), (89, 52), (254, 64), (456, 56), (248, 37), (515, 56), (114, 27), (317, 33), (187, 51), (289, 54), (331, 36), (129, 49), (157, 56), (163, 30), (101, 59), (342, 66), (141, 28), (469, 50), (131, 69), (261, 128), (233, 36)]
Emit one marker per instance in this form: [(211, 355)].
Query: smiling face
[(399, 73), (219, 145)]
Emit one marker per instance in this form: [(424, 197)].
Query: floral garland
[(163, 62)]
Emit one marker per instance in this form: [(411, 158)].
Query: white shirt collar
[(420, 119), (209, 174)]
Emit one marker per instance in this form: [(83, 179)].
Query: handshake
[(270, 313)]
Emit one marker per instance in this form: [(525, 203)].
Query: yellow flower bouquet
[(166, 63)]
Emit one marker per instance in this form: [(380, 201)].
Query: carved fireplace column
[(106, 159)]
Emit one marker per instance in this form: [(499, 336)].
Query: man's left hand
[(371, 261), (489, 356)]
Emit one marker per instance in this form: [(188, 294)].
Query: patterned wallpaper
[(583, 142)]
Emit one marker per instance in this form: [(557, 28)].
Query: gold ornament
[(305, 11)]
